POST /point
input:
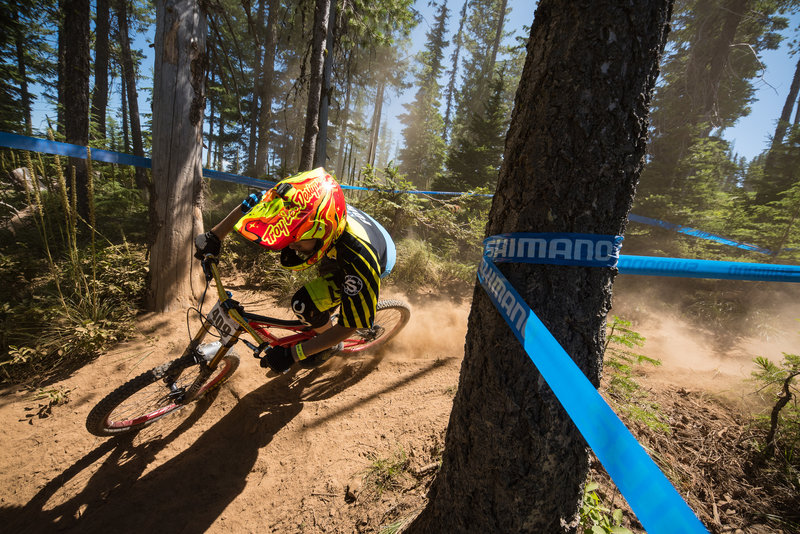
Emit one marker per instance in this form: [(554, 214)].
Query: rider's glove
[(207, 243), (279, 359)]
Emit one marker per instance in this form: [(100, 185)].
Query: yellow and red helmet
[(309, 205)]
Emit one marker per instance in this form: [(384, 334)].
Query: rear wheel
[(391, 316), (150, 396)]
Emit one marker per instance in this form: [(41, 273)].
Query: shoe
[(315, 360)]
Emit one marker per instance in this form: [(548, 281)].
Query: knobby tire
[(390, 317), (145, 399)]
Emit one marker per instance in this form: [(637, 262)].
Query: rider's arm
[(325, 340), (224, 227)]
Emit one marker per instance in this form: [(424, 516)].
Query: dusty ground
[(296, 453)]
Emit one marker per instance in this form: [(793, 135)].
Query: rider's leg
[(313, 304)]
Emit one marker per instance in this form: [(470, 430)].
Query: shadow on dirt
[(190, 491)]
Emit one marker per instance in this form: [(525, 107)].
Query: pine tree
[(484, 30), (25, 58), (475, 158), (708, 75), (423, 154)]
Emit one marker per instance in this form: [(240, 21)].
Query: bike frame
[(255, 325)]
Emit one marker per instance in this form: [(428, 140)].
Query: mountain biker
[(306, 218)]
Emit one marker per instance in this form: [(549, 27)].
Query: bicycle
[(204, 367)]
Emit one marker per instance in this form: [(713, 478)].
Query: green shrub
[(619, 362), (596, 518)]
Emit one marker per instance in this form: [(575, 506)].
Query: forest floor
[(352, 446)]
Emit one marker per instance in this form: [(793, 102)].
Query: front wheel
[(390, 317), (152, 395)]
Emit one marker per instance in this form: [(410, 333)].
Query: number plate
[(223, 323)]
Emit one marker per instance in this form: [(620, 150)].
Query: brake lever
[(256, 350), (205, 263)]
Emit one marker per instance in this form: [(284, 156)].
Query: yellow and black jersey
[(357, 276)]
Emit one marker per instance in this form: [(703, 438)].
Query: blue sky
[(749, 136)]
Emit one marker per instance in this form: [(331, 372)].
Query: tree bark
[(129, 79), (708, 62), (178, 104), (498, 36), (253, 141), (267, 87), (376, 123), (513, 460), (319, 33), (76, 91), (451, 86), (786, 112), (321, 150), (25, 96), (345, 117), (100, 93), (60, 68), (123, 100)]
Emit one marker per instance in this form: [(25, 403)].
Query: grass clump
[(386, 473)]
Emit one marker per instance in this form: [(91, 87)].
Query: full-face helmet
[(309, 205)]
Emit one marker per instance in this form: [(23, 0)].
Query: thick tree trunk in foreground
[(178, 103), (513, 461)]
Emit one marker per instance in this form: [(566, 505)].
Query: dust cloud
[(715, 352), (437, 329)]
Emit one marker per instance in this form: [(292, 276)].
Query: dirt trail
[(266, 455), (279, 455)]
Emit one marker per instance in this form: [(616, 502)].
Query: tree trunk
[(319, 32), (100, 93), (129, 79), (345, 114), (266, 87), (735, 11), (321, 150), (498, 36), (219, 155), (25, 96), (251, 147), (210, 148), (123, 100), (451, 86), (60, 67), (178, 103), (76, 91), (376, 123), (513, 460), (786, 112), (708, 60)]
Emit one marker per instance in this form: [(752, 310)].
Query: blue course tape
[(73, 151), (724, 270), (64, 149), (697, 233), (238, 179), (414, 191), (591, 250), (654, 500), (46, 146)]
